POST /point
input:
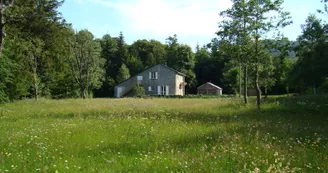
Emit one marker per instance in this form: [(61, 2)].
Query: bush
[(138, 91), (323, 89)]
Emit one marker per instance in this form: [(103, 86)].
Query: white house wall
[(179, 80)]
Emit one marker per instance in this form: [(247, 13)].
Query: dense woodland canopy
[(43, 56)]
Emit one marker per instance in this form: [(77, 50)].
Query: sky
[(194, 21)]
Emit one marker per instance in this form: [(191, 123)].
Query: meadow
[(290, 134)]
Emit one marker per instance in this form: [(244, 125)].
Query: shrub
[(138, 91), (324, 87)]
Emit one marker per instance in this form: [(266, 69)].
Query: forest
[(42, 55)]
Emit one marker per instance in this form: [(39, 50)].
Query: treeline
[(262, 64), (43, 56)]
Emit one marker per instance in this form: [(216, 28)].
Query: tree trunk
[(35, 81), (239, 80), (314, 88), (83, 92), (34, 67), (266, 92), (258, 90), (245, 85)]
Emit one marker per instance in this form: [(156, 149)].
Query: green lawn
[(164, 135)]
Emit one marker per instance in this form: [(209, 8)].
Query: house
[(209, 89), (157, 80)]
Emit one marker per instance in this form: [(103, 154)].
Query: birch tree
[(267, 16), (236, 29)]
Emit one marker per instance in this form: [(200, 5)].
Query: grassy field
[(165, 135)]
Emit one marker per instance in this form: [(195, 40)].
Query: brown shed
[(209, 89)]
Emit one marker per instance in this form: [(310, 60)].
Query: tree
[(109, 49), (158, 50), (4, 4), (266, 71), (171, 50), (313, 34), (310, 67), (282, 51), (86, 63), (202, 54), (231, 77), (121, 53), (123, 74), (148, 53), (6, 66), (143, 51), (33, 52), (262, 25), (34, 33), (135, 65), (247, 23), (210, 64), (325, 8), (181, 58), (236, 29)]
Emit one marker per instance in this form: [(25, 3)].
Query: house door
[(163, 90), (119, 92)]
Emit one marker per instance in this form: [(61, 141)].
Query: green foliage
[(5, 77), (230, 78), (181, 57), (246, 22), (135, 65), (146, 54), (123, 74), (121, 53), (309, 72), (202, 54), (36, 45), (282, 60), (138, 91), (325, 7), (324, 87), (86, 63)]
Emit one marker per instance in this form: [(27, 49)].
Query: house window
[(151, 88), (163, 90), (139, 78), (153, 75)]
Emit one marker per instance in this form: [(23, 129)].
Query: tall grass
[(164, 135)]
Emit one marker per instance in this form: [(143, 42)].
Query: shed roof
[(211, 84)]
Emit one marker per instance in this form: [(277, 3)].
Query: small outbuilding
[(209, 89)]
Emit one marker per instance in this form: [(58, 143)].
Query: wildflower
[(276, 154)]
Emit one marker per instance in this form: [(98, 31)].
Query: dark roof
[(209, 83), (177, 72)]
